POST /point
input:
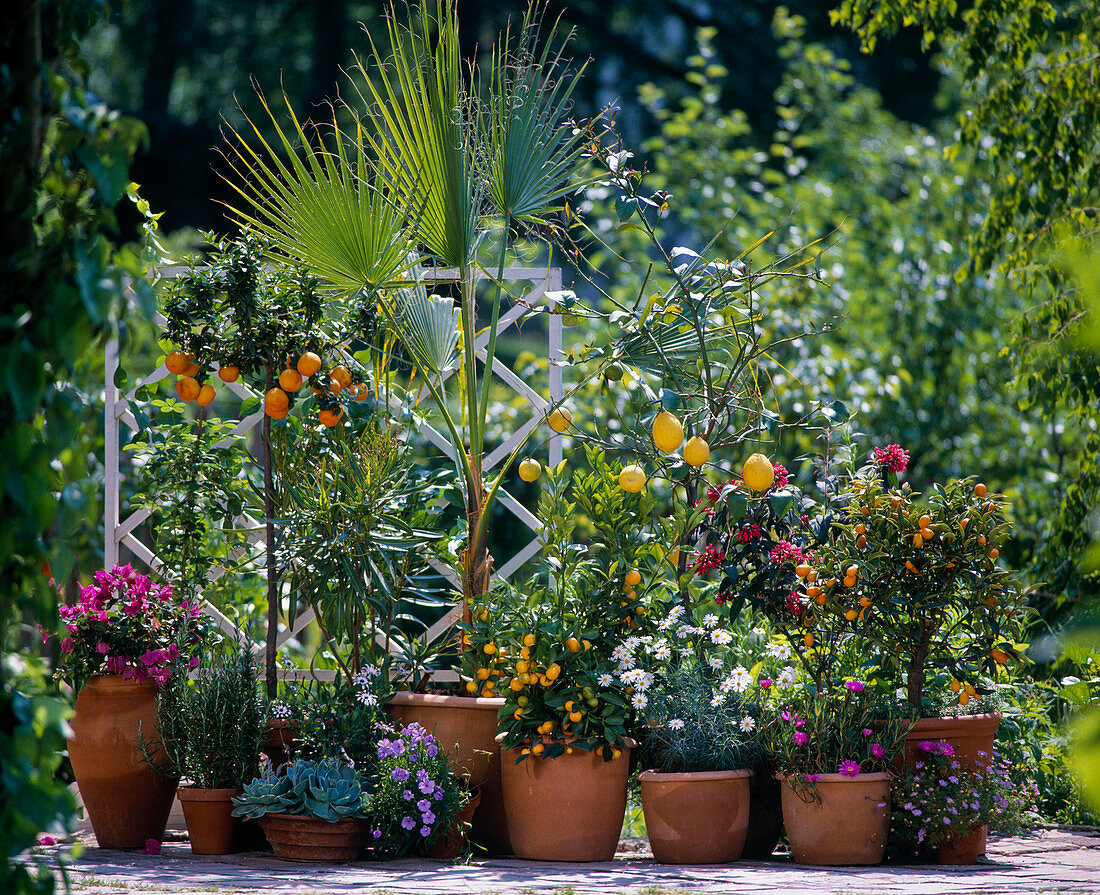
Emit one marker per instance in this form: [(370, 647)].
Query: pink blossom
[(855, 686), (161, 675), (714, 493), (849, 768), (794, 603), (47, 840), (67, 645), (194, 663), (102, 648), (748, 533), (800, 738), (877, 751), (709, 560), (765, 683), (867, 731), (892, 457), (45, 634), (152, 847), (782, 476), (115, 665)]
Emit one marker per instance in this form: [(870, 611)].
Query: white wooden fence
[(121, 526)]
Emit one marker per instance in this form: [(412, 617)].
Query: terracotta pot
[(968, 734), (846, 824), (211, 827), (466, 727), (963, 849), (453, 842), (280, 740), (765, 816), (295, 837), (126, 802), (569, 808), (696, 818)]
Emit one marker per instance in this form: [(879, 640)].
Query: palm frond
[(316, 206), (426, 325)]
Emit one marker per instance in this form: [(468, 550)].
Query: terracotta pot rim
[(116, 682), (872, 777), (628, 742), (485, 703), (656, 775), (309, 818), (957, 719), (201, 794)]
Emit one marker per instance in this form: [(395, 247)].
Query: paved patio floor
[(1058, 860)]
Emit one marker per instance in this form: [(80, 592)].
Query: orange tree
[(919, 579), (242, 318)]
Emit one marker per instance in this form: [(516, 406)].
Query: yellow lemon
[(530, 469), (758, 473), (632, 478), (696, 451), (668, 433), (560, 419)]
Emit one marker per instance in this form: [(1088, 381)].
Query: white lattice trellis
[(121, 531)]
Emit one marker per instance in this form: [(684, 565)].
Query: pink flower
[(194, 663), (748, 533), (877, 751), (811, 778), (855, 686), (67, 645), (47, 840), (800, 738), (102, 648), (849, 768), (152, 847), (765, 683), (867, 731), (713, 493), (892, 457), (115, 665), (709, 560), (782, 552), (794, 603), (782, 477)]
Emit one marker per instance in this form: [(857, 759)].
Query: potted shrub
[(833, 762), (310, 810), (124, 640), (943, 808), (928, 595), (209, 738)]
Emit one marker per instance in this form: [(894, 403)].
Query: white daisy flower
[(747, 724), (675, 724), (662, 651), (722, 638), (685, 631), (626, 662), (666, 624), (740, 679), (367, 698), (726, 685), (710, 620), (605, 680), (715, 662), (639, 700), (786, 677), (280, 709), (620, 653), (631, 643), (675, 613), (780, 651), (718, 699)]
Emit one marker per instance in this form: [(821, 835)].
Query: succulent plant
[(326, 790)]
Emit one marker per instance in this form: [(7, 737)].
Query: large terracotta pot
[(696, 818), (845, 824), (211, 827), (126, 802), (765, 816), (963, 849), (466, 727), (569, 808), (453, 841), (295, 837), (968, 734)]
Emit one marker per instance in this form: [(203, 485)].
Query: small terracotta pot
[(280, 740), (569, 808), (963, 849), (696, 818), (466, 728), (765, 816), (211, 827), (453, 842), (968, 734), (846, 824), (295, 837), (125, 800)]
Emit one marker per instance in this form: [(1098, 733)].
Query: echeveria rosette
[(126, 625)]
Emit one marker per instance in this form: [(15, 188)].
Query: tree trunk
[(915, 678), (272, 576)]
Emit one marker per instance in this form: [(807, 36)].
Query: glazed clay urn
[(696, 818), (839, 820), (125, 800)]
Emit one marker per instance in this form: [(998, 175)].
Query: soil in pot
[(125, 800), (568, 808), (840, 821), (300, 838), (211, 827), (466, 727), (696, 818)]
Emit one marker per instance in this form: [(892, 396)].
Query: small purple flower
[(877, 751), (424, 805), (408, 795), (867, 731), (377, 834), (399, 775), (408, 823), (855, 686), (102, 648), (425, 832), (800, 738), (433, 750), (849, 768), (428, 818)]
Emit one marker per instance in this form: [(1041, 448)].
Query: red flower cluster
[(782, 476), (785, 551), (794, 603), (892, 457), (747, 533), (709, 560)]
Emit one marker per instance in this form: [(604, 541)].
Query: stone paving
[(1057, 860)]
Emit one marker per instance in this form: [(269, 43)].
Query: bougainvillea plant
[(126, 625)]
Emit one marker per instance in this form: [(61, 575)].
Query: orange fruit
[(530, 469), (573, 645), (994, 553), (999, 656), (860, 528), (963, 522), (560, 419), (334, 387), (278, 414), (802, 570), (308, 364), (955, 685), (276, 399), (528, 639), (980, 490), (918, 540), (633, 577), (924, 521), (489, 648), (290, 380), (188, 388), (330, 418), (851, 615), (861, 542), (471, 687), (808, 640), (206, 395), (340, 374), (229, 373), (192, 369), (927, 534), (177, 361), (981, 540)]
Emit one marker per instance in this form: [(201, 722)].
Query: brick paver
[(1045, 861)]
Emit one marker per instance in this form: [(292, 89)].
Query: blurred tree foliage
[(181, 67)]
